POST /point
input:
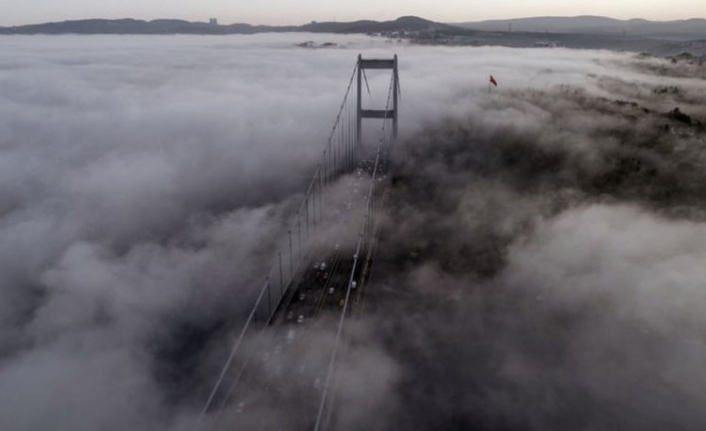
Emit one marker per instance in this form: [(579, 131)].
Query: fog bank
[(533, 232)]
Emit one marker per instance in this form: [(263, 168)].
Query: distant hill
[(686, 29), (656, 38), (405, 23), (134, 26), (693, 29), (170, 26)]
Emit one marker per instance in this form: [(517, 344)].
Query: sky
[(288, 12)]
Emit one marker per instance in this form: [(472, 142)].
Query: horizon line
[(206, 21)]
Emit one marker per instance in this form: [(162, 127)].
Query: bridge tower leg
[(359, 117), (395, 88)]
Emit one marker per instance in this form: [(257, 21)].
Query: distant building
[(213, 21)]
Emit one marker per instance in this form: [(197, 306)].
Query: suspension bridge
[(283, 371)]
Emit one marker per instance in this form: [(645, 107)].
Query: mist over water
[(539, 266)]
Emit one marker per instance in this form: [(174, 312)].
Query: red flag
[(493, 81)]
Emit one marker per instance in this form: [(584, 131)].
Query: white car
[(300, 319)]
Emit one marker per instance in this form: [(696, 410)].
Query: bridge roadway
[(280, 386)]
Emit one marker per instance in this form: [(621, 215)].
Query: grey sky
[(291, 12)]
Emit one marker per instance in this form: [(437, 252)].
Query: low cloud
[(538, 267)]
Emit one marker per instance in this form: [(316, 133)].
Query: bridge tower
[(389, 113)]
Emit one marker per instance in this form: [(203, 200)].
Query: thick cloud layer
[(145, 183), (543, 258)]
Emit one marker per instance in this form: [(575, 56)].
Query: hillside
[(169, 26), (577, 33), (687, 29)]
